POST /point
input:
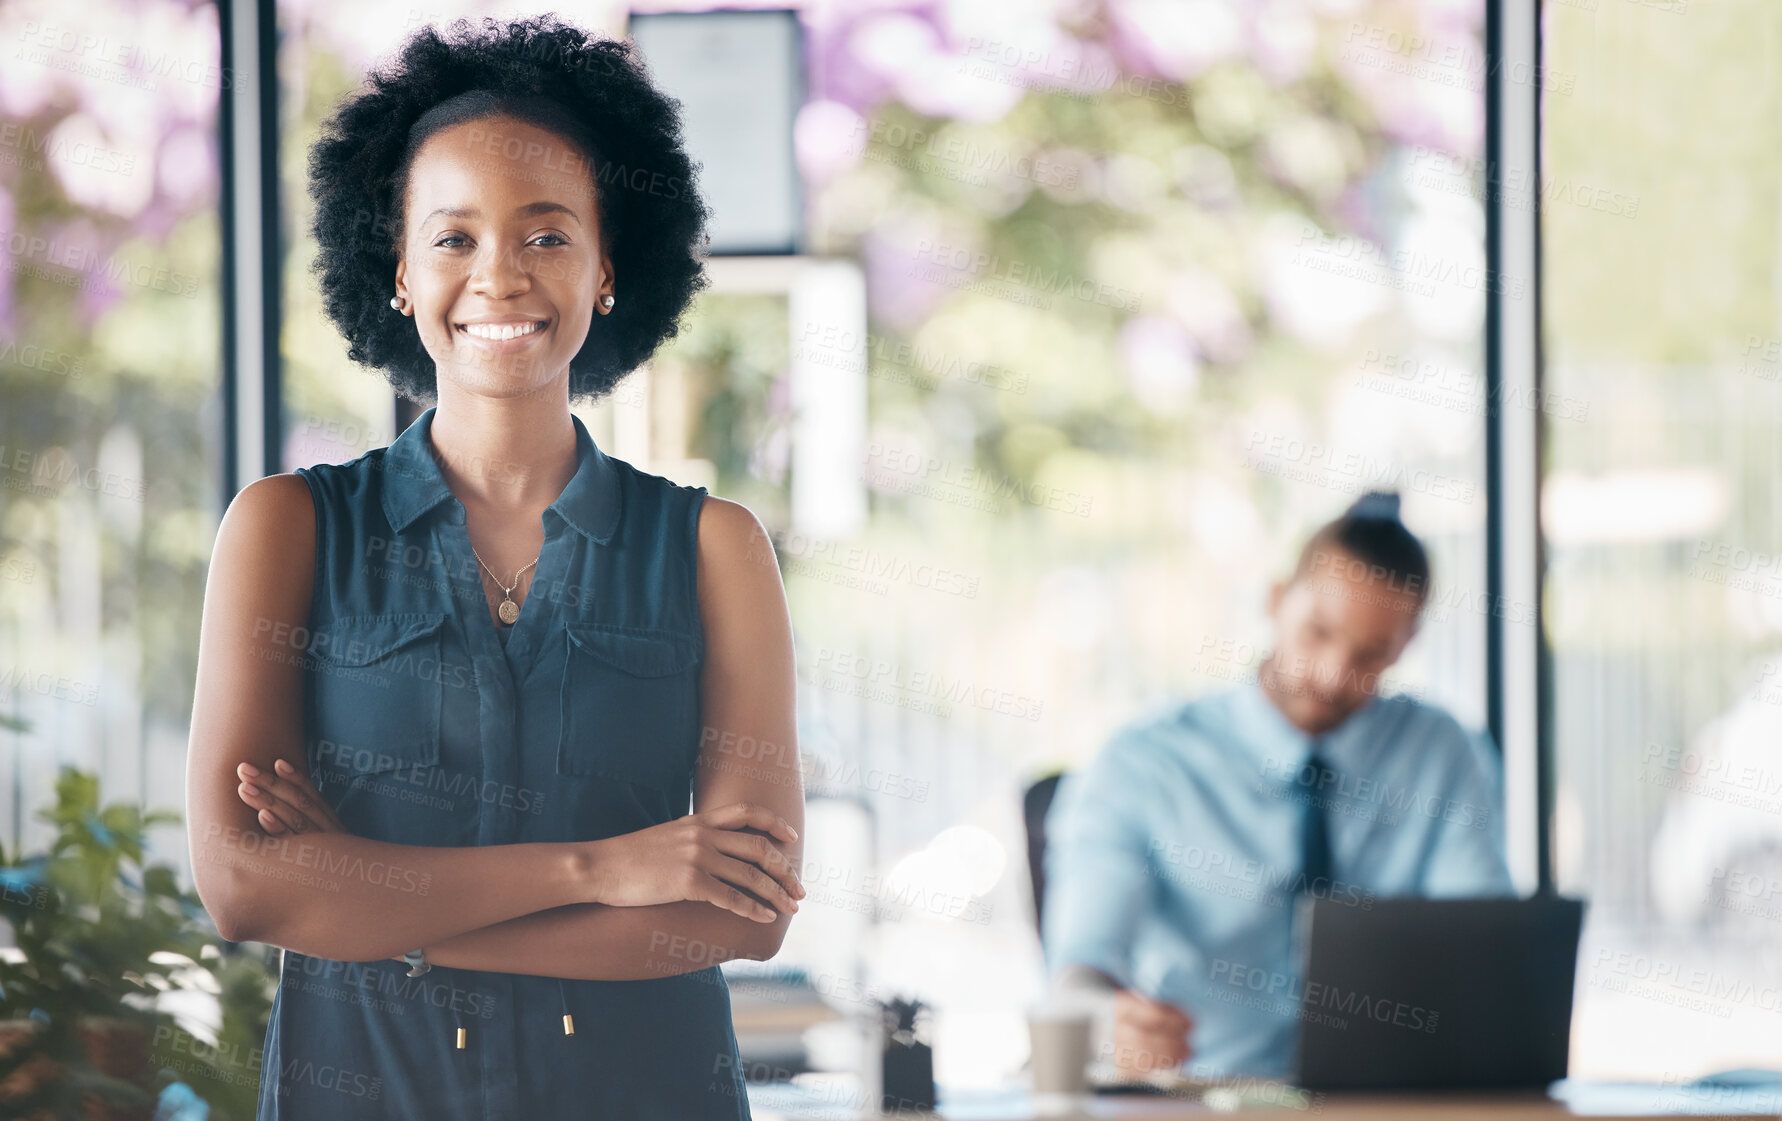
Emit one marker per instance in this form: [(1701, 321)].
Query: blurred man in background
[(1175, 859)]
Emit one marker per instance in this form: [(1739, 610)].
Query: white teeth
[(500, 331)]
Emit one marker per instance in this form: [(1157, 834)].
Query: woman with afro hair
[(493, 732)]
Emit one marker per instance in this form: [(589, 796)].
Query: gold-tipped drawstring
[(568, 1020), (562, 995)]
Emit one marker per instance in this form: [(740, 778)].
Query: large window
[(1140, 305), (1664, 590), (1145, 303), (109, 367), (1136, 304)]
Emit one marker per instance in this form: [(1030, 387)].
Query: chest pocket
[(630, 705), (378, 687)]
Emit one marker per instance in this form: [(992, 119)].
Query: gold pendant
[(509, 611)]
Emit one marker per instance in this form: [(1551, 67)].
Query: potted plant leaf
[(100, 936)]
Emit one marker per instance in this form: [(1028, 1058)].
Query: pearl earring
[(606, 302), (396, 303)]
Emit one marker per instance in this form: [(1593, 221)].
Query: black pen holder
[(906, 1061)]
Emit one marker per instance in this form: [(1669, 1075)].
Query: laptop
[(1436, 993)]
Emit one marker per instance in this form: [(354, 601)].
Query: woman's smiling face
[(502, 261)]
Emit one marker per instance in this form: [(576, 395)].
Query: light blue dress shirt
[(1173, 860)]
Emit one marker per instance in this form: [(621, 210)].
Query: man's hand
[(1149, 1035)]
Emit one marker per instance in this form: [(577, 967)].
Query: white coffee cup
[(1062, 1035)]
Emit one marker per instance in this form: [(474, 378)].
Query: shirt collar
[(1276, 742), (1280, 745), (413, 484)]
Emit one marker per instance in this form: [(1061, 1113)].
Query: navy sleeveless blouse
[(424, 727)]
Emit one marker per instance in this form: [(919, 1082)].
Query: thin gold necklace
[(507, 609)]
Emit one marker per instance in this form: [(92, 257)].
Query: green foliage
[(102, 934)]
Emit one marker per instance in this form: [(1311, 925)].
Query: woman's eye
[(549, 241)]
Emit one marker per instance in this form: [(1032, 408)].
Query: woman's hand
[(708, 856), (287, 801)]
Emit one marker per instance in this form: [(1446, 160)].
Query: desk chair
[(1034, 804)]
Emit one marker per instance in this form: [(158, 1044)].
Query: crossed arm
[(723, 879)]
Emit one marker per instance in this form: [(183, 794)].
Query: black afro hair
[(651, 214)]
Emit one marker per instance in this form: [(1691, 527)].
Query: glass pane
[(334, 409), (1661, 520), (1142, 310), (109, 367), (1138, 316)]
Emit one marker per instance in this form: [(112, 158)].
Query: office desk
[(837, 1099)]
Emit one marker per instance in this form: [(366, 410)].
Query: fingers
[(294, 786), (748, 815), (287, 803), (741, 873), (1146, 1014), (1149, 1034), (716, 891), (761, 852), (276, 817)]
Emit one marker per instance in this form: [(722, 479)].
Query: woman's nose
[(499, 273)]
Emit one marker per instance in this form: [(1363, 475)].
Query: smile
[(501, 332)]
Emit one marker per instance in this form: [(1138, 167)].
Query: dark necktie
[(1315, 826)]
